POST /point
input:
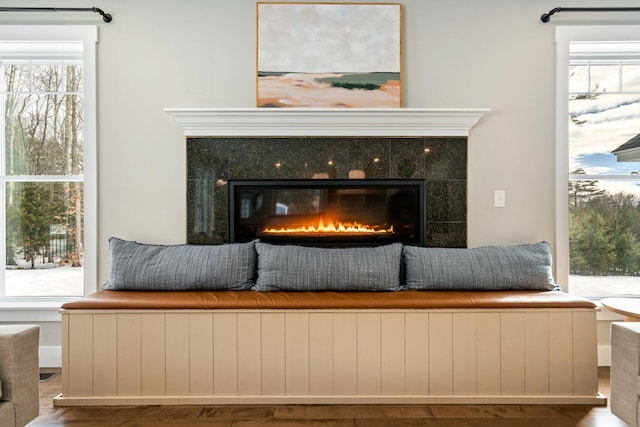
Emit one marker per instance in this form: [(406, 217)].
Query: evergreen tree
[(582, 191), (35, 218), (592, 249), (604, 231)]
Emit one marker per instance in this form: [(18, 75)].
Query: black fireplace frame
[(418, 185)]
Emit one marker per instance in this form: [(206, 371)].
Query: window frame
[(563, 36), (88, 35)]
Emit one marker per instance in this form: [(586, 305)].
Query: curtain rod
[(105, 16), (547, 16)]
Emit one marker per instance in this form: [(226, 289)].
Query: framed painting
[(329, 55)]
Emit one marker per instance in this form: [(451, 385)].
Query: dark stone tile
[(201, 216), (207, 158), (407, 158), (369, 155), (327, 158), (447, 234), (221, 212), (246, 158), (445, 158), (283, 158), (446, 201)]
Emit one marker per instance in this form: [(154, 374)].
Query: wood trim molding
[(326, 121)]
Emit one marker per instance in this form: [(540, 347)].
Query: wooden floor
[(327, 415)]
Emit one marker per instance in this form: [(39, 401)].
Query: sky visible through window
[(598, 125), (604, 113)]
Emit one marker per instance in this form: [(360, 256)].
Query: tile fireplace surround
[(429, 144)]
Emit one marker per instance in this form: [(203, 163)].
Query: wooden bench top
[(209, 300)]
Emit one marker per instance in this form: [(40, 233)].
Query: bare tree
[(43, 115)]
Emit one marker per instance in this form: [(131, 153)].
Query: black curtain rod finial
[(106, 17), (547, 16)]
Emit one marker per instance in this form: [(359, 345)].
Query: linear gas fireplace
[(323, 212), (226, 145)]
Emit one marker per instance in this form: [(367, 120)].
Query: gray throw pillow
[(489, 268), (299, 268), (140, 267)]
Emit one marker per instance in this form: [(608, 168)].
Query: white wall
[(458, 53), (201, 53)]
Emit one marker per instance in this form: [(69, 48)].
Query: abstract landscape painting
[(329, 55)]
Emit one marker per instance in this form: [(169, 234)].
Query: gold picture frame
[(329, 55)]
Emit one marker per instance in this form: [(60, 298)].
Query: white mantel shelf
[(326, 121)]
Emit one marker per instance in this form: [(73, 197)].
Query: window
[(599, 78), (48, 164)]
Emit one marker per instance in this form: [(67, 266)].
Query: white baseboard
[(50, 356), (604, 355)]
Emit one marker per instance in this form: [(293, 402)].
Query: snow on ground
[(604, 285), (58, 281)]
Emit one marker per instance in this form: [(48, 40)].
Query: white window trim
[(42, 308), (563, 36)]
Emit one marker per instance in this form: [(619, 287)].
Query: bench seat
[(246, 347), (251, 300)]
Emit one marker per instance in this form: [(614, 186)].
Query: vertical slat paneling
[(153, 366), (65, 353), (440, 354), (512, 354), (80, 355), (273, 355), (343, 353), (297, 354), (249, 354), (345, 358), (321, 354), (488, 354), (464, 354), (177, 330), (392, 354), (536, 346), (201, 354), (105, 355), (129, 355), (416, 328), (369, 366), (225, 354), (585, 361), (560, 347)]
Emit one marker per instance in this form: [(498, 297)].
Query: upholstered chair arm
[(19, 371), (625, 371)]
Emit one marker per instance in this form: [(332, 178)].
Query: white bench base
[(438, 356)]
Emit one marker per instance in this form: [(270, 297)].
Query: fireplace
[(228, 144), (327, 212)]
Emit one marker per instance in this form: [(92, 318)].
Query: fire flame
[(330, 228)]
